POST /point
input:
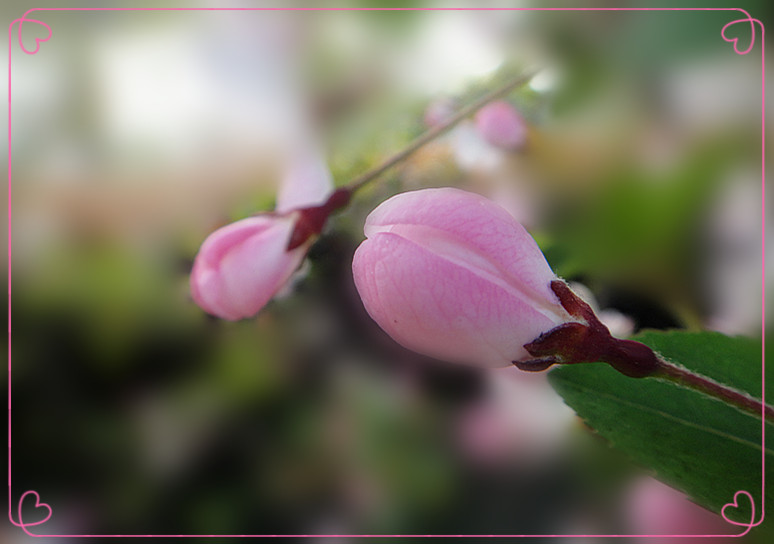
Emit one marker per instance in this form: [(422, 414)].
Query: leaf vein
[(677, 419)]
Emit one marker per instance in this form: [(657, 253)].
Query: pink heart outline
[(735, 41), (38, 41), (735, 504), (38, 504)]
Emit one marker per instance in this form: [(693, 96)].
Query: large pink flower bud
[(452, 275), (501, 125), (241, 266)]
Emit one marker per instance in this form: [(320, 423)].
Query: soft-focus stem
[(437, 131), (681, 376), (312, 219)]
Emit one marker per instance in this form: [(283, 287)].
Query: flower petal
[(307, 182), (240, 267), (442, 308), (479, 228)]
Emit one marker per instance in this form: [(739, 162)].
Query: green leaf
[(697, 444)]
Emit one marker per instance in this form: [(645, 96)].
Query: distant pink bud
[(438, 112), (452, 275), (656, 509), (241, 266), (501, 125)]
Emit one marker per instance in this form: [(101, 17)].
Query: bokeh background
[(135, 134)]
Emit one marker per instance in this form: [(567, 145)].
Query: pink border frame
[(734, 41)]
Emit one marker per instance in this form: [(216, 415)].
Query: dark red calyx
[(536, 365), (311, 220), (634, 359), (574, 342)]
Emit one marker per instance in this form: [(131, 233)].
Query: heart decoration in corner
[(38, 505), (38, 40), (735, 40), (735, 505)]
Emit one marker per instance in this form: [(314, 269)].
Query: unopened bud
[(452, 275)]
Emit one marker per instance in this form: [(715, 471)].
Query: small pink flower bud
[(438, 112), (241, 266), (501, 125), (452, 275)]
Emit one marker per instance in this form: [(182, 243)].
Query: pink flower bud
[(501, 125), (438, 112), (452, 275), (241, 266)]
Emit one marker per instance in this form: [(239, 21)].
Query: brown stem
[(435, 132), (681, 376)]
